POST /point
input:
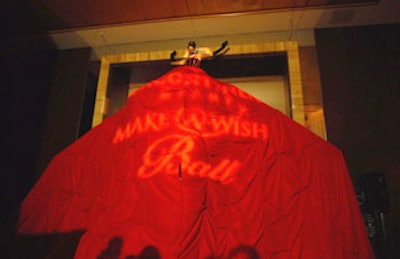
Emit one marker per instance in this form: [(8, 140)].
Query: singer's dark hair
[(192, 44)]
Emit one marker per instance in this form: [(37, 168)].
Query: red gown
[(196, 168)]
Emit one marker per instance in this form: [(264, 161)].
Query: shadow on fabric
[(113, 251)]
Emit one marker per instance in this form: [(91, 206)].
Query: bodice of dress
[(192, 61)]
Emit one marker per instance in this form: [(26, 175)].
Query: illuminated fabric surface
[(195, 167)]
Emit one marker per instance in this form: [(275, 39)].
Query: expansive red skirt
[(196, 168)]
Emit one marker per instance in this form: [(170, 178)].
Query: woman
[(194, 56)]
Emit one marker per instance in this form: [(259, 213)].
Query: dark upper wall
[(26, 66), (64, 107), (42, 93), (27, 61), (360, 78)]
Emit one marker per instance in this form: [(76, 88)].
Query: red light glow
[(176, 148), (168, 153)]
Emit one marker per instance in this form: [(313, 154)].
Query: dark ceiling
[(75, 14)]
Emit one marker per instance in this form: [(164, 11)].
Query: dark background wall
[(360, 78), (41, 96), (27, 61), (64, 107)]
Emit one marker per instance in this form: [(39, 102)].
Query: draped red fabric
[(196, 168)]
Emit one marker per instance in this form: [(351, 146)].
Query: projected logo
[(173, 155), (178, 153), (176, 138), (193, 122)]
